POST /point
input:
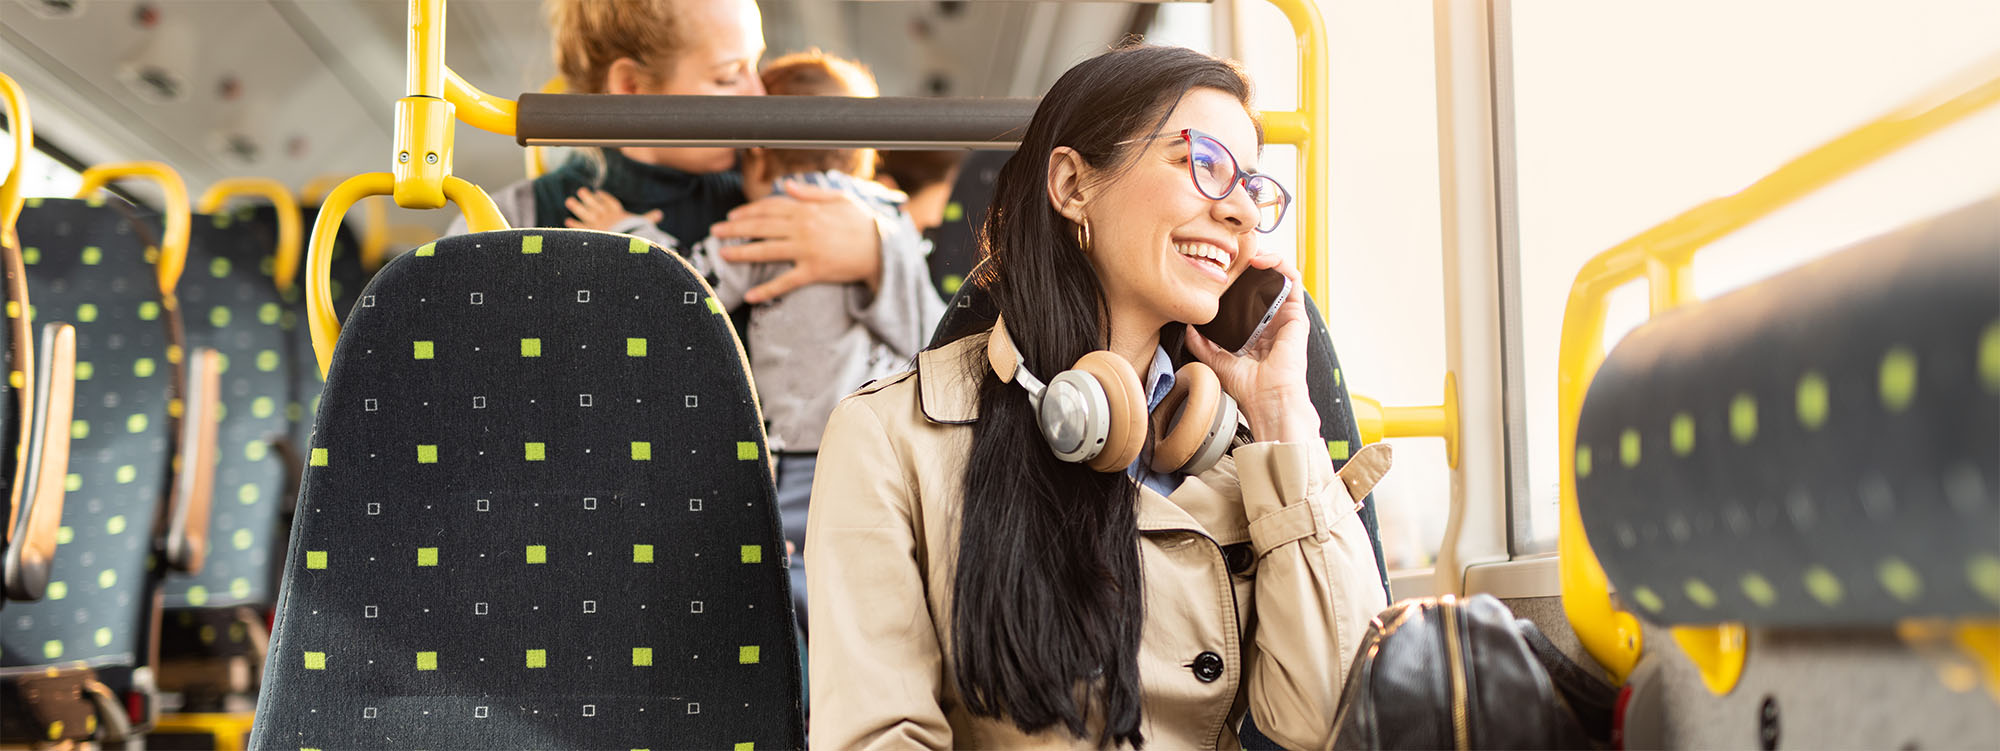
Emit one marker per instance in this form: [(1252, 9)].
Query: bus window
[(1627, 115), (1387, 294), (41, 174)]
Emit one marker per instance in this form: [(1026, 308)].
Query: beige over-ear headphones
[(1095, 412)]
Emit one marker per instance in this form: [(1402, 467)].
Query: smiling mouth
[(1205, 252)]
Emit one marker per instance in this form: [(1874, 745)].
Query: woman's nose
[(1236, 209), (753, 86)]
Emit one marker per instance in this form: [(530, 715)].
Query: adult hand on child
[(596, 209), (827, 235), (1269, 381)]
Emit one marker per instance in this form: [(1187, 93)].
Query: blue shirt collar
[(1159, 378)]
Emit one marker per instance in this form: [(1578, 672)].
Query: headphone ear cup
[(1124, 406), (1193, 426)]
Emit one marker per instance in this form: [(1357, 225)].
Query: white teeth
[(1204, 251)]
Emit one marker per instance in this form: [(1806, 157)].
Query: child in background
[(813, 346), (926, 177)]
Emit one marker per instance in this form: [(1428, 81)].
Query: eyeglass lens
[(1215, 172)]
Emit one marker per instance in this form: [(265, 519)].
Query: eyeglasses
[(1216, 174)]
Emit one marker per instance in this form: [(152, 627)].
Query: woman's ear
[(1066, 177), (627, 76)]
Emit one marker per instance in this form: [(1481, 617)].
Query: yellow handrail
[(286, 264), (479, 109), (1377, 422), (1664, 254), (24, 142), (315, 190), (174, 241), (481, 215)]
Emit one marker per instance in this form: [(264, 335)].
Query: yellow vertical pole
[(423, 117), (1308, 128)]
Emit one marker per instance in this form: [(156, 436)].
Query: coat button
[(1240, 557), (1207, 667)]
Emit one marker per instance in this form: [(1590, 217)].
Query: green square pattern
[(714, 306), (316, 559), (537, 452), (638, 246), (538, 554), (531, 348), (427, 660), (642, 657), (1338, 450), (531, 244), (635, 347), (746, 747), (315, 660), (425, 350), (642, 451), (753, 554), (427, 453), (427, 250), (538, 658), (427, 556), (747, 655), (746, 450), (642, 554), (319, 457)]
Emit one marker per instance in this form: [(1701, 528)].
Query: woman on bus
[(972, 589)]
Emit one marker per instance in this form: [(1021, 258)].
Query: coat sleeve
[(1316, 586), (904, 309), (877, 668)]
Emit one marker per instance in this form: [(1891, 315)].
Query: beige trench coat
[(1276, 639)]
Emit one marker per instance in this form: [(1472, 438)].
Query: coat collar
[(947, 380)]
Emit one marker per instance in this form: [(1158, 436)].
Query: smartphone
[(1246, 308)]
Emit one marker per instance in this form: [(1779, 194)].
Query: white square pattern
[(479, 298), (479, 608)]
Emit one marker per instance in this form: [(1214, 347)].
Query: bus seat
[(955, 244), (348, 278), (214, 618), (1819, 449), (970, 311), (538, 512), (91, 262)]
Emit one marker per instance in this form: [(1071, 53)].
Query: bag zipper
[(1460, 731)]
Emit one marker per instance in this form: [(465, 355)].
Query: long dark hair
[(1048, 603)]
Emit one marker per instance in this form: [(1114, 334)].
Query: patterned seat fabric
[(348, 278), (538, 513), (91, 264), (231, 305), (1819, 449)]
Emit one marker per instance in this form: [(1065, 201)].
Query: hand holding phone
[(1246, 309)]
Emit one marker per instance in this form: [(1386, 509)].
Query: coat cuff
[(1289, 492)]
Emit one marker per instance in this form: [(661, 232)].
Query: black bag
[(1446, 673)]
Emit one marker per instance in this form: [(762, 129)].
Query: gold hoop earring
[(1083, 236)]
